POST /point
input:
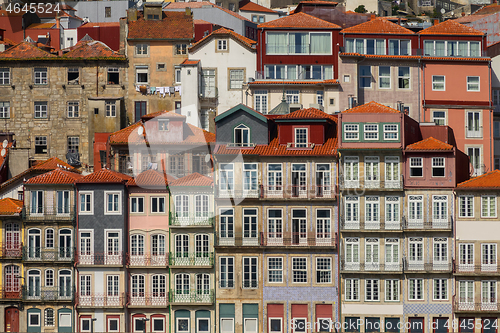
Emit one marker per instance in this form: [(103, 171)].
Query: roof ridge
[(478, 177)]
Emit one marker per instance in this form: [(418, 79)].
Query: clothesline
[(161, 91)]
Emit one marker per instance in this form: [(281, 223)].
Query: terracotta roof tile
[(299, 20), (105, 176), (41, 26), (371, 107), (9, 206), (174, 25), (429, 144), (488, 180), (318, 2), (378, 26), (332, 81), (223, 32), (456, 59), (450, 27), (93, 50), (56, 176), (25, 51), (489, 9), (201, 22), (150, 178), (194, 179), (190, 62), (247, 5), (51, 164), (310, 113)]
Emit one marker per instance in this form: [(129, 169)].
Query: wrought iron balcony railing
[(432, 224), (191, 259), (192, 220), (147, 259), (380, 225), (159, 298), (47, 294), (99, 258), (100, 300), (370, 184), (470, 304), (424, 266), (11, 250), (481, 269), (11, 293), (44, 212), (276, 239), (372, 267), (298, 191), (48, 253), (192, 296)]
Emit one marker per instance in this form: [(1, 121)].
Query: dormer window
[(242, 136), (399, 47), (301, 137), (443, 48)]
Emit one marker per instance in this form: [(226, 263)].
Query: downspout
[(127, 275), (423, 89)]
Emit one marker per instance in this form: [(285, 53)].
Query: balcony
[(426, 267), (276, 239), (380, 225), (356, 267), (49, 294), (147, 259), (378, 185), (472, 269), (14, 293), (39, 213), (45, 254), (194, 296), (192, 221), (148, 299), (99, 258), (191, 259), (238, 191), (11, 251), (434, 224), (469, 304), (100, 300), (474, 132), (299, 192)]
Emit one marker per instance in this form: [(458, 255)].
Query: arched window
[(65, 244), (34, 283), (49, 238), (34, 243), (242, 136), (49, 278)]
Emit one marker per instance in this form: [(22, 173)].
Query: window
[(73, 76), (466, 252), (40, 145), (49, 317), (351, 131), (323, 226), (299, 270), (416, 167), (466, 205), (488, 206), (158, 324), (391, 132), (203, 325), (73, 109), (136, 245), (404, 77), (226, 176), (141, 74), (226, 325), (323, 270), (141, 49), (489, 293), (73, 144), (208, 88), (472, 83), (181, 49), (371, 131), (201, 206), (4, 109), (113, 75), (320, 97), (62, 202), (351, 169), (440, 289), (474, 154), (365, 46), (352, 212), (110, 108), (392, 290), (352, 289), (242, 136), (440, 256), (439, 208), (438, 167), (443, 48), (41, 110), (34, 319), (488, 257), (365, 77), (113, 324), (298, 43), (177, 74), (275, 269), (139, 324), (439, 117), (258, 19), (163, 125), (49, 278), (222, 44), (250, 274), (399, 47), (496, 92), (236, 78), (415, 210), (113, 204), (250, 233), (157, 204), (181, 206), (466, 291), (86, 203), (372, 290), (496, 127), (384, 77), (438, 82), (4, 76), (301, 137), (49, 238), (260, 101), (41, 76), (292, 96), (415, 289), (226, 272)]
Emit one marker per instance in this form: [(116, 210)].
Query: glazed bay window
[(40, 76), (442, 48), (384, 77), (472, 83), (351, 132), (141, 74), (4, 76), (298, 43), (404, 77), (416, 167), (399, 47), (351, 290), (365, 46), (438, 83), (466, 206), (488, 206), (438, 169)]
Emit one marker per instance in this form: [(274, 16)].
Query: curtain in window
[(380, 46), (393, 47), (298, 43), (370, 46), (404, 47), (360, 46), (291, 73), (280, 72), (428, 48), (328, 72), (462, 49), (316, 73), (276, 43), (321, 43), (474, 49), (452, 49), (269, 72), (440, 48), (349, 45)]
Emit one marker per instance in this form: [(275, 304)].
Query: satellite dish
[(5, 143), (443, 11), (207, 158), (3, 152), (140, 130)]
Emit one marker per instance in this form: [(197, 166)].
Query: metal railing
[(43, 212), (276, 239), (381, 224), (298, 191), (469, 304), (11, 251), (370, 267), (13, 293), (474, 132), (99, 258), (148, 299), (483, 269), (194, 296), (433, 224), (370, 184), (147, 259), (424, 266), (55, 293), (100, 300), (238, 191), (48, 253), (192, 220), (191, 259)]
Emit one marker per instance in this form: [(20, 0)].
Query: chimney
[(132, 14), (436, 21), (372, 17), (188, 11), (58, 21)]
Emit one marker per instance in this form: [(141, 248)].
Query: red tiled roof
[(378, 26), (105, 176), (56, 176), (190, 62), (371, 107), (174, 25), (429, 144), (451, 27), (298, 21), (223, 31), (194, 179), (9, 206), (51, 164), (41, 26), (489, 9), (93, 50), (247, 5), (150, 178), (310, 113), (100, 24), (201, 4), (201, 22), (488, 180), (332, 81), (24, 51)]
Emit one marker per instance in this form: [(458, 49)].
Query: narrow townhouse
[(276, 209), (101, 231), (475, 302), (49, 215)]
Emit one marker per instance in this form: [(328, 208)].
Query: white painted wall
[(477, 230), (268, 16), (69, 33)]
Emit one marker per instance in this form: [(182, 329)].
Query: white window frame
[(489, 202), (141, 49), (269, 270), (39, 78), (436, 164), (388, 130), (221, 326), (222, 44), (110, 108), (294, 269), (261, 101), (402, 77), (198, 325), (141, 69), (367, 130), (269, 324), (436, 83), (470, 85), (440, 118), (297, 135), (227, 280), (245, 330), (416, 282), (392, 289), (351, 130), (38, 314), (112, 212), (86, 212), (351, 290), (329, 271), (374, 294), (108, 324), (158, 318), (384, 77), (82, 320), (440, 289), (468, 201), (415, 166), (158, 198), (41, 109), (252, 283), (137, 199)]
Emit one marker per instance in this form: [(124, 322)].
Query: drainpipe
[(127, 275), (423, 88)]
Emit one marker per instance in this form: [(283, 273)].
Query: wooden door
[(11, 320)]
